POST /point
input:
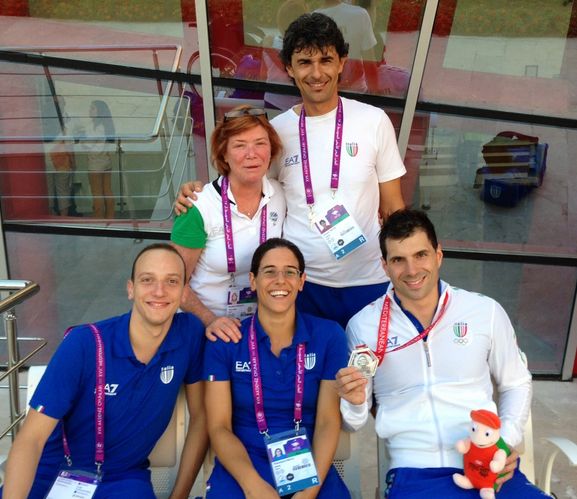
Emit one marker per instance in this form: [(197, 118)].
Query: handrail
[(106, 48), (23, 361), (22, 290)]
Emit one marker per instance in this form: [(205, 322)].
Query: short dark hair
[(312, 31), (157, 246), (273, 243), (404, 223)]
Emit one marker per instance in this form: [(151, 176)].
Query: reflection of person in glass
[(357, 28), (99, 158), (287, 12), (242, 467), (62, 160)]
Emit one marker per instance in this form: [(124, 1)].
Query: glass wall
[(53, 143), (382, 36), (520, 56), (490, 153), (74, 289), (147, 132)]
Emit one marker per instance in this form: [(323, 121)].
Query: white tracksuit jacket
[(424, 409)]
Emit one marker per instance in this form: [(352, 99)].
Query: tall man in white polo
[(352, 174)]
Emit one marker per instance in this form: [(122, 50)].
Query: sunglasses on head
[(239, 113)]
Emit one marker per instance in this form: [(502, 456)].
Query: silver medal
[(364, 359)]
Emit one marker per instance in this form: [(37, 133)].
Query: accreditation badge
[(76, 484), (363, 358), (240, 302), (337, 227), (291, 461)]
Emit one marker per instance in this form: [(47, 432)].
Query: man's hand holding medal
[(352, 380)]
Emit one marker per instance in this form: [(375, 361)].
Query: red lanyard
[(99, 399), (257, 383), (227, 219), (384, 329)]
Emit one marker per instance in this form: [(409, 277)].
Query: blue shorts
[(338, 304), (222, 484), (122, 488), (437, 483)]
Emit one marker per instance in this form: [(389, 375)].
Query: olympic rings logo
[(461, 341)]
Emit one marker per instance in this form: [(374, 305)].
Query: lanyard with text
[(335, 172), (98, 404), (384, 329), (227, 219), (257, 384)]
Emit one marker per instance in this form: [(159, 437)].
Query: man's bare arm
[(25, 454)]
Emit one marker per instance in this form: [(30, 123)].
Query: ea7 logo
[(242, 367), (392, 342), (110, 389), (291, 160)]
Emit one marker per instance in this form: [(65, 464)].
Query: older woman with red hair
[(232, 216)]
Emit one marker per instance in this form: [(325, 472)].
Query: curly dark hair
[(312, 31)]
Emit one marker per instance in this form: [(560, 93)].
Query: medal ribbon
[(337, 144), (227, 219), (99, 399), (384, 329), (257, 382)]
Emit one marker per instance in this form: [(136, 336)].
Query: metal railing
[(177, 151), (164, 94), (20, 291)]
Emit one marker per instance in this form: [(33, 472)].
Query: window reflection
[(511, 57), (447, 168), (54, 142)]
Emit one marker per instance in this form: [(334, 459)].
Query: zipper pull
[(427, 353)]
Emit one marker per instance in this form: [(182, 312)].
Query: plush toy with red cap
[(484, 452)]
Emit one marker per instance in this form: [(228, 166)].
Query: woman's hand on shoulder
[(351, 385), (225, 328), (186, 196)]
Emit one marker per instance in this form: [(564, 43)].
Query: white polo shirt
[(369, 156), (203, 227)]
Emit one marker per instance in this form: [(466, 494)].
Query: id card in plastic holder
[(338, 228), (291, 460), (74, 484), (240, 302)]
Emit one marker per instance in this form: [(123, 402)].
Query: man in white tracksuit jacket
[(440, 347)]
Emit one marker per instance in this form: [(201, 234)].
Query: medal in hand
[(363, 358)]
